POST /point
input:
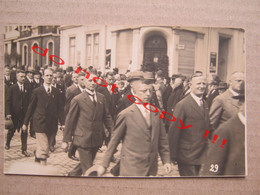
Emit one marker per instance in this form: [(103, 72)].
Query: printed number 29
[(214, 168)]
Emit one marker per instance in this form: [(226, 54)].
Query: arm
[(71, 121), (215, 113), (164, 150), (61, 114), (117, 135), (8, 107), (31, 108), (107, 118), (174, 132)]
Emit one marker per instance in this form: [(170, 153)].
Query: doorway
[(223, 50)]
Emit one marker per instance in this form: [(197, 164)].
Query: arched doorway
[(155, 54)]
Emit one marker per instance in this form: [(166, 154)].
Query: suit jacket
[(229, 160), (141, 144), (212, 94), (111, 100), (29, 85), (71, 92), (187, 146), (85, 121), (223, 108), (8, 82), (62, 94), (175, 96), (36, 85), (17, 104), (45, 110), (166, 94)]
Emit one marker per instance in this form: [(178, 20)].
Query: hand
[(167, 168), (65, 146), (8, 117), (24, 128), (101, 170)]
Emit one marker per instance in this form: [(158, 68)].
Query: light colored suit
[(224, 107), (141, 144)]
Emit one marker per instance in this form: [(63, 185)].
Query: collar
[(46, 86), (143, 109), (54, 85), (196, 98), (31, 80), (76, 84), (90, 92), (242, 118), (81, 89), (36, 80), (20, 85), (233, 92)]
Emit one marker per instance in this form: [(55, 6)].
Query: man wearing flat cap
[(142, 132)]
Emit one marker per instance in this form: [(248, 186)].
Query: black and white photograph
[(125, 101)]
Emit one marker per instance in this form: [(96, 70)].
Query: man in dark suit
[(75, 89), (175, 96), (29, 80), (16, 107), (88, 113), (187, 146), (7, 74), (227, 104), (37, 81), (143, 136), (45, 109), (228, 160)]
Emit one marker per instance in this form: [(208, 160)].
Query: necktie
[(21, 88), (49, 91), (93, 98), (201, 105)]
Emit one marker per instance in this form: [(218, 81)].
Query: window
[(25, 55), (92, 49), (35, 57), (51, 52), (72, 51)]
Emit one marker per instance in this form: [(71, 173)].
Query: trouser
[(42, 150), (52, 137), (86, 157), (72, 150), (188, 170), (24, 135)]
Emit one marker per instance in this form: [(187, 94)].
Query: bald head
[(237, 82)]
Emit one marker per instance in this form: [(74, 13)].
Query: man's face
[(198, 85), (7, 71), (81, 81), (89, 83), (30, 75), (110, 79), (143, 91), (48, 75), (21, 77), (75, 78), (237, 82), (54, 79), (177, 82)]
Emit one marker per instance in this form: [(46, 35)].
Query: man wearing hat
[(142, 132), (29, 79), (136, 75), (37, 80)]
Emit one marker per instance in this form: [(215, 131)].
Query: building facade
[(19, 41), (173, 49)]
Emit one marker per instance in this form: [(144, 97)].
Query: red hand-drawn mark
[(206, 134), (223, 143), (214, 138), (182, 126)]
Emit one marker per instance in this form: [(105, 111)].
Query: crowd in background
[(26, 105)]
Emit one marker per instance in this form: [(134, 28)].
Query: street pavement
[(58, 163)]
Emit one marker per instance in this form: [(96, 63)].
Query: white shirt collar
[(92, 93), (196, 98), (81, 89), (31, 80), (20, 85), (76, 84), (233, 92), (46, 87), (143, 109)]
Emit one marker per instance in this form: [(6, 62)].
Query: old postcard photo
[(124, 101)]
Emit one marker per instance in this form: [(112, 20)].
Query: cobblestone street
[(58, 163)]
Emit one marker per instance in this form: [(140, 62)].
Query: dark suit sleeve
[(215, 113), (174, 132), (61, 114), (71, 121), (216, 156), (31, 107), (117, 135), (107, 118), (9, 96), (164, 145)]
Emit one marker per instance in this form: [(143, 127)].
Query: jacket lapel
[(138, 117), (195, 106), (155, 124)]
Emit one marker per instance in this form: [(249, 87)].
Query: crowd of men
[(91, 114)]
